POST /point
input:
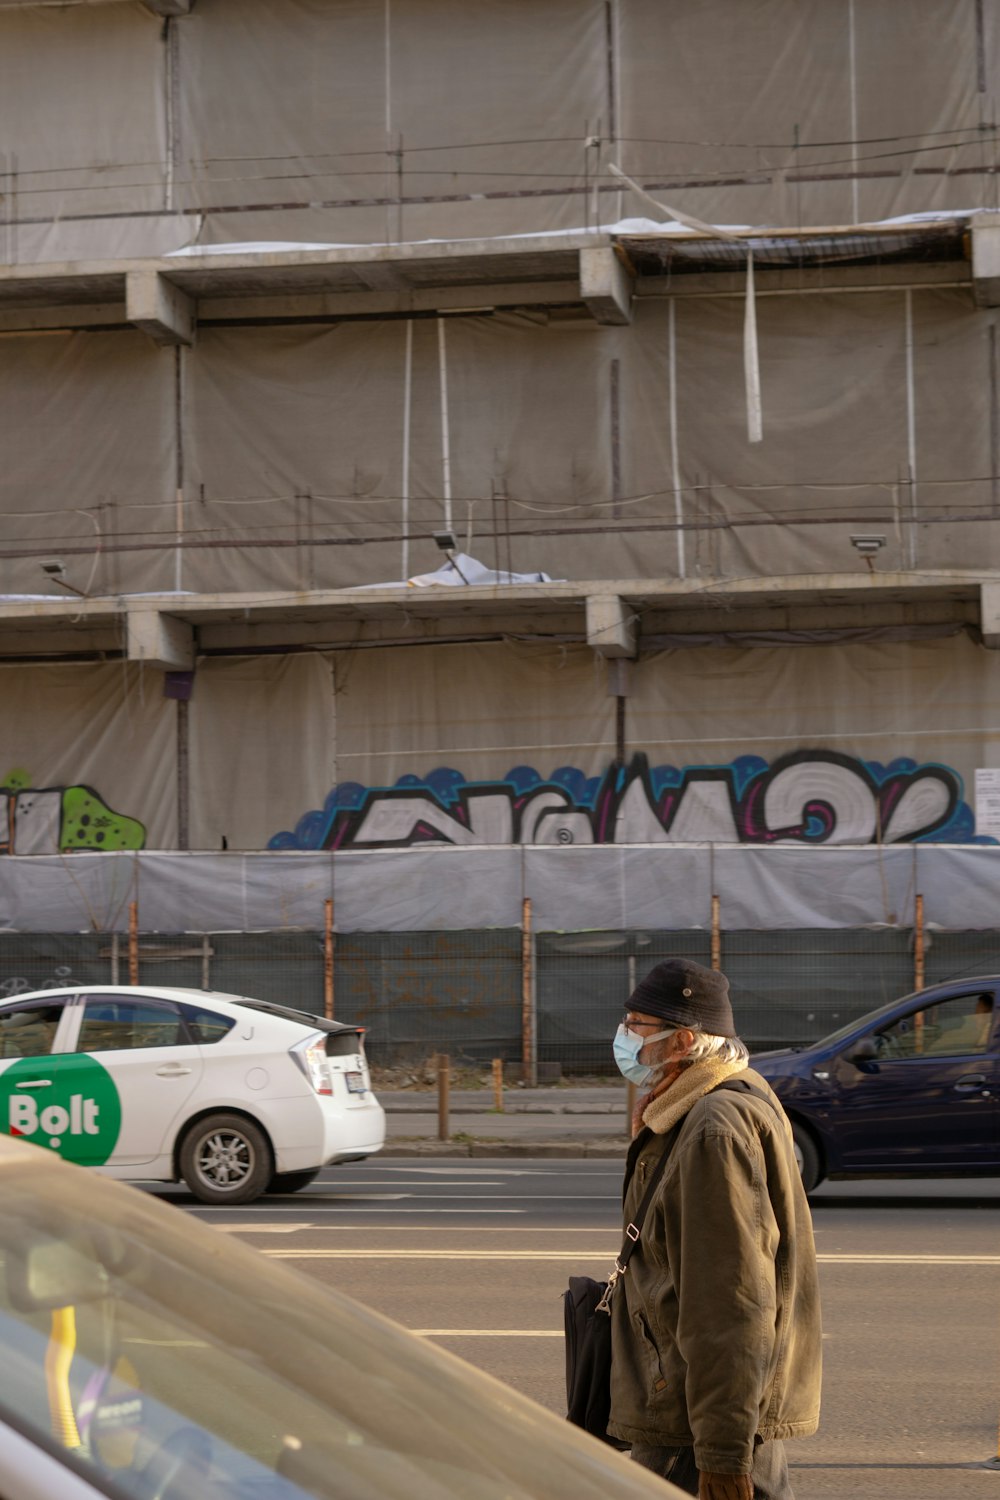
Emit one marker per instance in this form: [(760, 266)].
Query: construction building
[(461, 451)]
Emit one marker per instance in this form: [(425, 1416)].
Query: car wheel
[(807, 1156), (292, 1182), (226, 1159)]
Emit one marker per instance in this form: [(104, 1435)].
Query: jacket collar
[(663, 1113)]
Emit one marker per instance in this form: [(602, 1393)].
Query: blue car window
[(958, 1027), (122, 1025)]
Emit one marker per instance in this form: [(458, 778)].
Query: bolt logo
[(73, 1107)]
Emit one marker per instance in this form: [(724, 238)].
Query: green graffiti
[(88, 823)]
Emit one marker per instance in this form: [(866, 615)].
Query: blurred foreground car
[(909, 1090), (149, 1357), (235, 1096)]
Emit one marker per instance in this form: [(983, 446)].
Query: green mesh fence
[(789, 988), (421, 993)]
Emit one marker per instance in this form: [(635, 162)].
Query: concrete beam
[(291, 305), (605, 285), (159, 308), (168, 7), (158, 640), (986, 259), (610, 625), (989, 615)]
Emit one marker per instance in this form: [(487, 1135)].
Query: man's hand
[(724, 1486)]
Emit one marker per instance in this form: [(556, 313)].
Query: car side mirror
[(864, 1050)]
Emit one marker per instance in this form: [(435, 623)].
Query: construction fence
[(545, 1002)]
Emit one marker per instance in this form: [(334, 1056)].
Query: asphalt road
[(475, 1255)]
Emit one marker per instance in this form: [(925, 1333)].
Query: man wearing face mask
[(715, 1322)]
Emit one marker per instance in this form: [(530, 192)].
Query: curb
[(607, 1150)]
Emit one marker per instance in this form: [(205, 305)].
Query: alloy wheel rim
[(225, 1159)]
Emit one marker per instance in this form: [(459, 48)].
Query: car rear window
[(344, 1043), (206, 1026)]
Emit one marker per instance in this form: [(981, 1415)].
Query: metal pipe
[(529, 1064), (716, 935), (133, 942), (328, 958), (444, 1083)]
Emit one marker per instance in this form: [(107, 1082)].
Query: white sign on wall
[(988, 801)]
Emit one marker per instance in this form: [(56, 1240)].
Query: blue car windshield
[(859, 1023)]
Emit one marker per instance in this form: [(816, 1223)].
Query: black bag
[(588, 1357), (587, 1316)]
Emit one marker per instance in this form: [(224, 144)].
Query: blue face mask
[(628, 1045)]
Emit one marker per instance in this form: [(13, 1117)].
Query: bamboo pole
[(444, 1082), (328, 958), (529, 1054), (716, 936), (498, 1085), (133, 942)]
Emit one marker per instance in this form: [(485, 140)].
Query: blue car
[(909, 1090)]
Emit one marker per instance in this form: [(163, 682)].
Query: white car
[(235, 1096), (150, 1357)]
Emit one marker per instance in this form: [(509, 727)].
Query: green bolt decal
[(76, 1112)]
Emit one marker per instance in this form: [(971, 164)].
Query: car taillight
[(311, 1058)]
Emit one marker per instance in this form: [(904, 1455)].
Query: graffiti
[(60, 819), (807, 797), (18, 985)]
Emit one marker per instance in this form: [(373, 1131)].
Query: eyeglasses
[(631, 1024)]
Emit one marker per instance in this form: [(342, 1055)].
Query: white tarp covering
[(262, 728), (90, 754), (505, 742), (570, 889), (375, 121), (294, 444)]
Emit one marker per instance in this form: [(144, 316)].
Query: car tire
[(292, 1182), (807, 1156), (226, 1158)]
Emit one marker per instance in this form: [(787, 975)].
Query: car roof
[(191, 996)]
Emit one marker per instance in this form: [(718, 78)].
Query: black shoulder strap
[(741, 1086)]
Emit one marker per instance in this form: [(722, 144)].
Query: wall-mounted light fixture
[(55, 568), (868, 545), (448, 545)]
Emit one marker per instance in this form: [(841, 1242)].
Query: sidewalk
[(556, 1121)]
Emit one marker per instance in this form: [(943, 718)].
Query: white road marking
[(434, 1254), (376, 1182), (909, 1260), (840, 1260), (226, 1228), (489, 1333), (353, 1208)]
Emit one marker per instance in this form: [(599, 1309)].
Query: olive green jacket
[(716, 1322)]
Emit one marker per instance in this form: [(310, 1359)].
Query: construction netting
[(377, 121), (315, 457), (550, 1009)]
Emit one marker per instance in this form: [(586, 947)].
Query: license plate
[(355, 1083)]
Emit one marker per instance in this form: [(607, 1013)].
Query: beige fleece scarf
[(693, 1082)]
